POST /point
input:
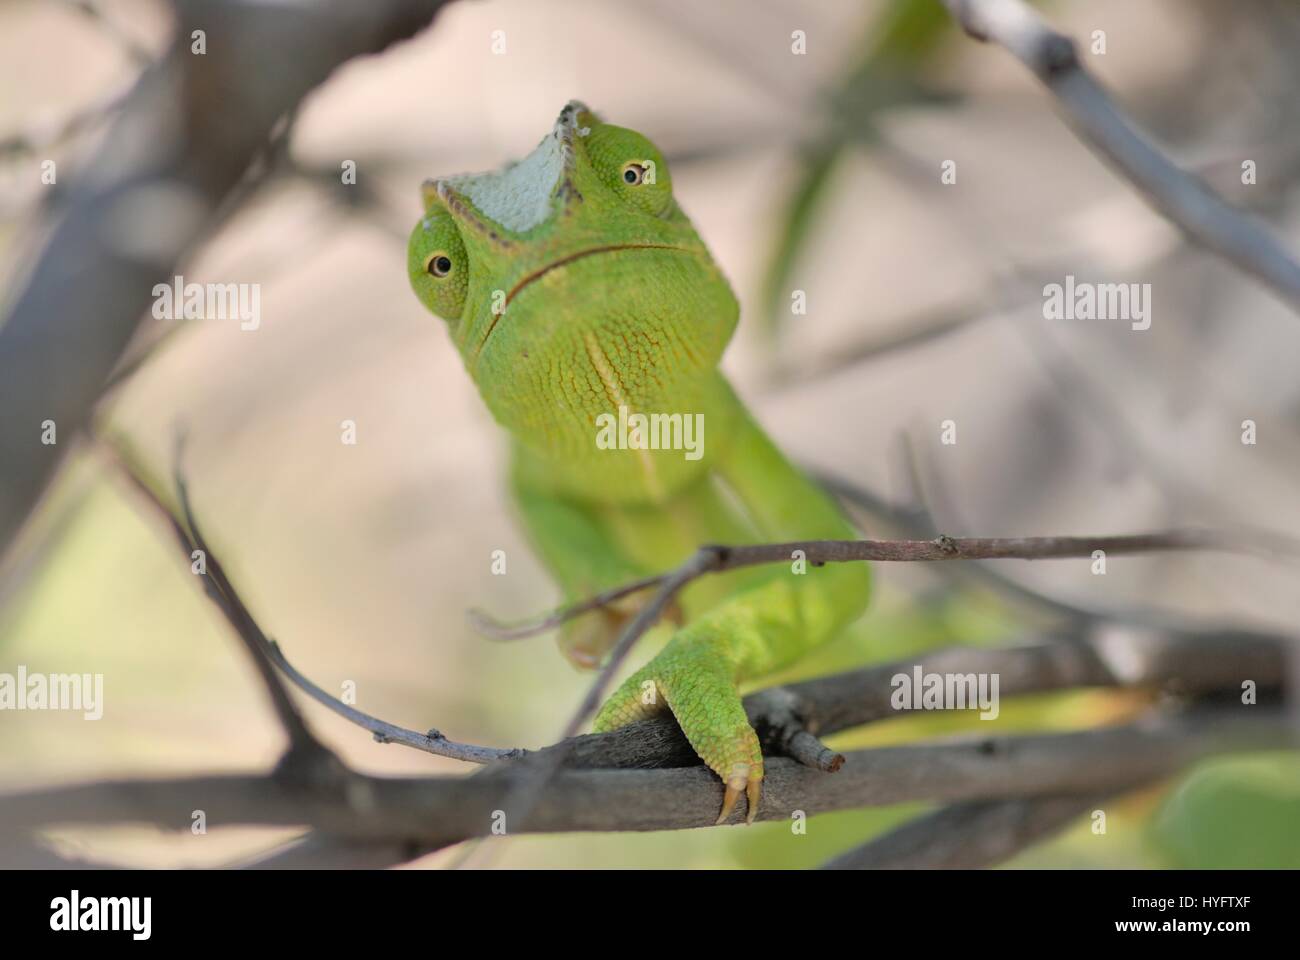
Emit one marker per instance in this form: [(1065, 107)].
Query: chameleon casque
[(573, 285)]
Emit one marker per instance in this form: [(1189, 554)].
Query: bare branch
[(1186, 664), (780, 717), (1185, 200), (967, 836), (436, 811), (181, 142), (318, 851)]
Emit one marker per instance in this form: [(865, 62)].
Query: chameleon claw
[(738, 783), (729, 800)]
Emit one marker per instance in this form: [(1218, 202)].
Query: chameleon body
[(574, 285)]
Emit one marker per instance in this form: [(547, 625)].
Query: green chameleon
[(577, 293)]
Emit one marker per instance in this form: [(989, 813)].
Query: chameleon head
[(573, 283)]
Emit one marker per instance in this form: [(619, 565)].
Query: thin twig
[(384, 732), (1185, 200), (228, 601), (218, 589), (495, 629), (919, 522), (530, 790), (703, 561), (716, 558), (266, 651)]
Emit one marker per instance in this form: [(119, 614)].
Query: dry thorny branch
[(643, 777)]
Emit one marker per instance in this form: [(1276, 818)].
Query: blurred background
[(817, 172)]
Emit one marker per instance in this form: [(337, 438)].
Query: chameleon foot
[(696, 685), (586, 640)]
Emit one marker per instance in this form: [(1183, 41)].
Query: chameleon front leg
[(757, 630), (575, 545)]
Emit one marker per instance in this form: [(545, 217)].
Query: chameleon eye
[(630, 166), (438, 264)]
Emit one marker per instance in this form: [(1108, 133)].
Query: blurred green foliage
[(884, 75), (1233, 813)]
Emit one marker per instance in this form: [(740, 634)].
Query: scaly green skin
[(611, 299)]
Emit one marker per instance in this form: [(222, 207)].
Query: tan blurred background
[(361, 560)]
